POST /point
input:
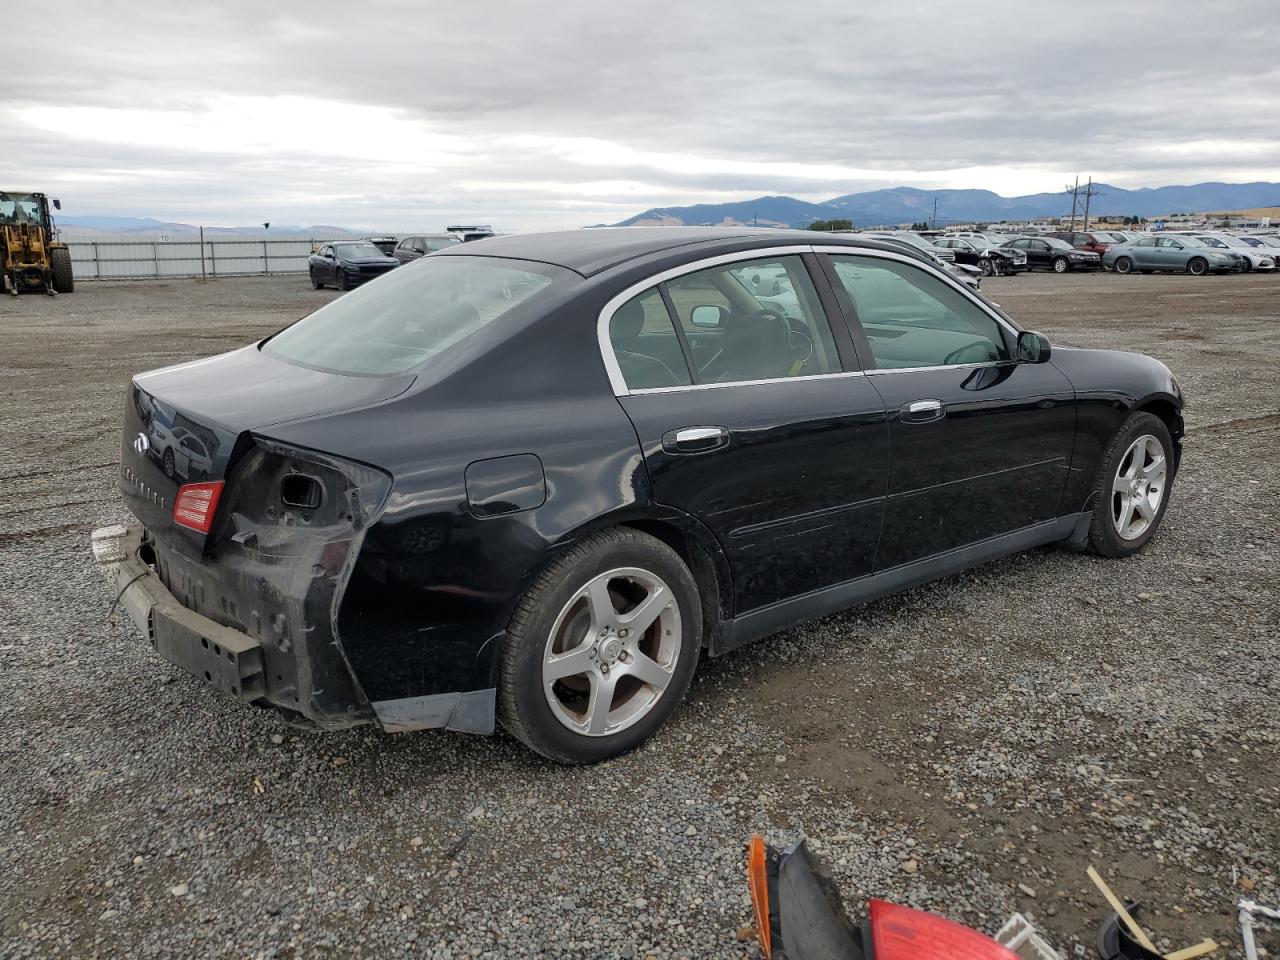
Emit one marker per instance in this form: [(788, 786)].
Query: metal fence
[(148, 259)]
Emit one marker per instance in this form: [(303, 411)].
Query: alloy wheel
[(1138, 487), (612, 652)]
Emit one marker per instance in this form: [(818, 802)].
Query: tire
[(1061, 265), (340, 280), (1142, 437), (169, 469), (315, 281), (988, 268), (556, 618), (1197, 266), (1247, 266), (64, 280), (1124, 265)]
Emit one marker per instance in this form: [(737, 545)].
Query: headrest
[(628, 320)]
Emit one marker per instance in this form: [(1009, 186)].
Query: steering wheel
[(957, 355)]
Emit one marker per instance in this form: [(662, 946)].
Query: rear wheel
[(1198, 266), (1124, 265), (169, 469), (601, 648), (64, 280), (1133, 487), (1061, 265)]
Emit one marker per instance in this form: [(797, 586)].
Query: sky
[(563, 113)]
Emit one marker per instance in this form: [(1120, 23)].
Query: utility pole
[(1075, 192), (1089, 192), (935, 213)]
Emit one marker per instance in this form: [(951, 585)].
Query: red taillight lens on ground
[(900, 933), (195, 505)]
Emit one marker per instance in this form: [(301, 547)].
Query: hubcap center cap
[(610, 648)]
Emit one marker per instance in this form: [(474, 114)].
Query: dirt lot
[(968, 747)]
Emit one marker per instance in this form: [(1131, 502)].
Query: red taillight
[(195, 505), (900, 933)]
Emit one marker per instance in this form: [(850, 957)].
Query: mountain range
[(148, 228), (910, 205)]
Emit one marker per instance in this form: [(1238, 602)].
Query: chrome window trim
[(619, 383)]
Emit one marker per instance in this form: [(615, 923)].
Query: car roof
[(594, 249)]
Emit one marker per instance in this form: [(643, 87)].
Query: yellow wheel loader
[(31, 257)]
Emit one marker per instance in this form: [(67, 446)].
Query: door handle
[(922, 411), (695, 439)]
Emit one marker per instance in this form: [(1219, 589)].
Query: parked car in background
[(987, 237), (1093, 242), (1253, 258), (419, 245), (385, 244), (1110, 237), (1050, 253), (346, 264), (469, 233), (1170, 253), (992, 260), (539, 482)]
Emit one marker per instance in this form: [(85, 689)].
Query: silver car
[(1254, 259), (1170, 253)]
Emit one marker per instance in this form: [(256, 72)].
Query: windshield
[(1270, 241), (357, 251), (1057, 244), (408, 316), (432, 244), (19, 208)]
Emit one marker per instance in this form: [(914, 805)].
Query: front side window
[(409, 316), (913, 319), (754, 320), (645, 344)]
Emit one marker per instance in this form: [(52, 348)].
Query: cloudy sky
[(560, 113)]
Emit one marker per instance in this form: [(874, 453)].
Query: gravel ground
[(968, 747)]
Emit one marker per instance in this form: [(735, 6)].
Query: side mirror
[(57, 204), (708, 316), (1033, 347)]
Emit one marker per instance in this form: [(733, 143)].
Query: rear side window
[(913, 319), (409, 315), (645, 344), (754, 320)]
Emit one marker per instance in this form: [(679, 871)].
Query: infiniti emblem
[(141, 444)]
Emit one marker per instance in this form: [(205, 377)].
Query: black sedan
[(1050, 253), (536, 480), (345, 265), (992, 260)]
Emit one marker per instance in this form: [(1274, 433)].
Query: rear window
[(409, 315)]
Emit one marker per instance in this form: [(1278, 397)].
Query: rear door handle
[(922, 411), (695, 439)]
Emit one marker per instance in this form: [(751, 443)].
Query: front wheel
[(1246, 266), (315, 281), (341, 281), (601, 648), (1133, 487), (1124, 265), (988, 268), (1060, 265), (1198, 267), (64, 280)]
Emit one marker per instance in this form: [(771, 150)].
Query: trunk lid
[(190, 423)]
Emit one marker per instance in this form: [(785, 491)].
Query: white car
[(1255, 258)]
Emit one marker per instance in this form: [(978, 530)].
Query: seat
[(639, 369), (755, 348)]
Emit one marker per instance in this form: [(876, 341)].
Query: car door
[(980, 444), (1143, 253), (325, 269), (1171, 254), (768, 433)]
